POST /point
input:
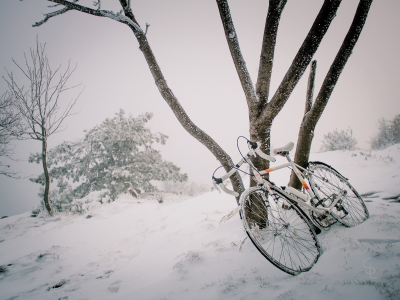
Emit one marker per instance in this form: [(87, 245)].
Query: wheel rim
[(351, 209), (282, 235)]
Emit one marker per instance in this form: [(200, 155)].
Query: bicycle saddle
[(284, 150)]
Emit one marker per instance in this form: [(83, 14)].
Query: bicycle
[(280, 220)]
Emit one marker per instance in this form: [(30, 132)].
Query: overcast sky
[(189, 43)]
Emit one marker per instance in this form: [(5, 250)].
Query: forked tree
[(262, 108), (37, 98), (313, 110)]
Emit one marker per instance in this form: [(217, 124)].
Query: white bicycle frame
[(265, 183), (295, 167)]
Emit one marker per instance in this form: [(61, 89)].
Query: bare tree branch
[(131, 22), (126, 6), (301, 61), (260, 127), (240, 64), (98, 4), (306, 132), (275, 9), (310, 87), (341, 59), (50, 15)]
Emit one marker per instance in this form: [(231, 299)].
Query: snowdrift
[(141, 249)]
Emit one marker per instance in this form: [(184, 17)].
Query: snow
[(180, 249)]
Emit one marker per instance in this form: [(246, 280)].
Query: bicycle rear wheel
[(327, 183), (279, 230)]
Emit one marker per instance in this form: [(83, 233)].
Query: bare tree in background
[(38, 102), (261, 108), (10, 129)]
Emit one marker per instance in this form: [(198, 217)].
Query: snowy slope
[(134, 249)]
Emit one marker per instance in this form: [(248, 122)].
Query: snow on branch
[(50, 15), (123, 19), (95, 12)]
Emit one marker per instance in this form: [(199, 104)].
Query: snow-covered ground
[(141, 249)]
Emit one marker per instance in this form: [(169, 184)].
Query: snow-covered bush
[(117, 155), (338, 140), (388, 133), (63, 202)]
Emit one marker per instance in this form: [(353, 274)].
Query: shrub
[(117, 156), (62, 201), (388, 133), (338, 140)]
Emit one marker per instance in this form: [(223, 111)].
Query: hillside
[(140, 249)]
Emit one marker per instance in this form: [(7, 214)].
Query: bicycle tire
[(284, 235), (326, 182)]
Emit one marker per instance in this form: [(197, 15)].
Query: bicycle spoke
[(327, 184), (280, 232)]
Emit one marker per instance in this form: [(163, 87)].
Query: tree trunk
[(260, 127), (306, 134), (275, 9), (263, 135), (310, 87), (47, 178), (181, 115), (238, 60), (311, 118)]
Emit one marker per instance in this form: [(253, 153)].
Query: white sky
[(189, 44)]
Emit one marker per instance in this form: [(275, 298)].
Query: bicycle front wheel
[(327, 183), (279, 230)]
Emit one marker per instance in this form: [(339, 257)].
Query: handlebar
[(254, 149)]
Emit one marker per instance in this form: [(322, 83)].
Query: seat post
[(287, 156)]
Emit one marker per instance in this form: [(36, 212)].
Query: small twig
[(98, 4), (147, 26), (50, 15)]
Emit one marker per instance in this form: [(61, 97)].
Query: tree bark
[(310, 87), (181, 115), (305, 136), (310, 120), (300, 62), (260, 127), (275, 10), (46, 176), (240, 64)]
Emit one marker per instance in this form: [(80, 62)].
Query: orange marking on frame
[(268, 170), (305, 185)]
